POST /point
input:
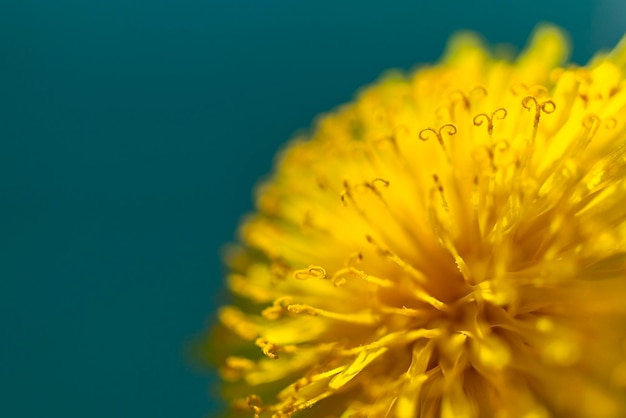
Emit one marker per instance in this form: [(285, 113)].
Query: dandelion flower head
[(451, 244)]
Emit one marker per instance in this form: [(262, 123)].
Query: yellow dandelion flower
[(451, 244)]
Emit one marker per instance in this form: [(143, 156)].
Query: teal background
[(131, 136)]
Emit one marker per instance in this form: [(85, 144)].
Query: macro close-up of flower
[(450, 244)]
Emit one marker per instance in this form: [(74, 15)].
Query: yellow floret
[(451, 244)]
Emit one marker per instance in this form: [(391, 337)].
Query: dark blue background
[(132, 133)]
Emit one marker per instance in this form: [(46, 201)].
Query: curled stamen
[(361, 318), (312, 272), (459, 96), (384, 182), (392, 139), (499, 113), (303, 309), (339, 278), (255, 404), (519, 88), (478, 91), (537, 90), (278, 308), (546, 106), (590, 121), (449, 128), (443, 113), (388, 138), (271, 350), (371, 185), (610, 123), (368, 186), (593, 123), (500, 147)]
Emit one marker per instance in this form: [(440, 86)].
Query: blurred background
[(132, 134)]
